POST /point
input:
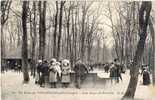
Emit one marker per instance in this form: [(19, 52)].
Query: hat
[(53, 60), (57, 63), (45, 61), (65, 61), (39, 61)]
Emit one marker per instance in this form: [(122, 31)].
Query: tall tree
[(33, 36), (42, 29), (5, 8), (85, 8), (153, 50), (60, 29), (144, 14), (55, 32), (24, 43)]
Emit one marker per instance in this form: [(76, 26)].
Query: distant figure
[(113, 74), (115, 71), (122, 68), (3, 65), (2, 68), (118, 70), (19, 68), (44, 73), (16, 67), (106, 67), (80, 73), (146, 77), (37, 76), (65, 75), (91, 67)]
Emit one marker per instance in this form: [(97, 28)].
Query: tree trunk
[(143, 23), (30, 23), (34, 38), (42, 29), (68, 33), (24, 43), (153, 50), (55, 32), (60, 29), (5, 8), (83, 35)]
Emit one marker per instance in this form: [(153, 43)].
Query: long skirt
[(65, 78), (52, 77)]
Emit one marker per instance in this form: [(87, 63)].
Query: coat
[(65, 75), (39, 68), (113, 72), (80, 69), (146, 78), (44, 69), (54, 72)]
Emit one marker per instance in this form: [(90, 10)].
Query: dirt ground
[(13, 89)]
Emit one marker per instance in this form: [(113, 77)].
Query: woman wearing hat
[(53, 73), (66, 69)]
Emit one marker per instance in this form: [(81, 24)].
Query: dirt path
[(13, 89)]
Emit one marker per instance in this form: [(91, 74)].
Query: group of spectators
[(116, 69), (55, 72)]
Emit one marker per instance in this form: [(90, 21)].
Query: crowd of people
[(54, 72)]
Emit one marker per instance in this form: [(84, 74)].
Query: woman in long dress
[(66, 69), (53, 73)]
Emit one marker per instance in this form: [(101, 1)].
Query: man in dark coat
[(115, 71), (146, 77), (106, 67), (44, 73), (118, 70), (80, 73)]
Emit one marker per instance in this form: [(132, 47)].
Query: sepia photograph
[(77, 50)]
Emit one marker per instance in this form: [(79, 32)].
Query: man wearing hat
[(80, 73)]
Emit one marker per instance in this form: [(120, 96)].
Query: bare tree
[(33, 36), (42, 29), (153, 50), (24, 43), (60, 28), (5, 8), (84, 13), (144, 14), (55, 32)]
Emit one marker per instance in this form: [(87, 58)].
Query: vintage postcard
[(77, 50)]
